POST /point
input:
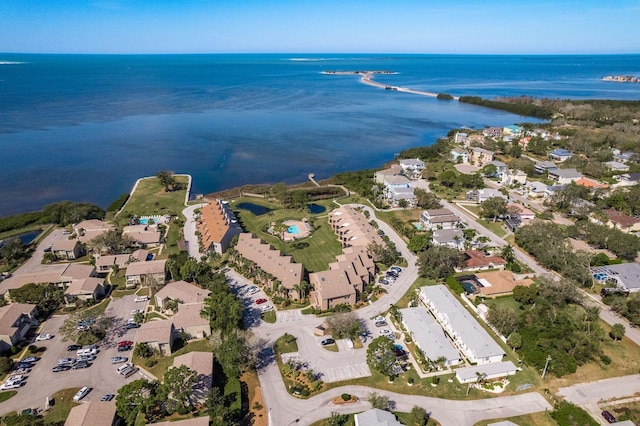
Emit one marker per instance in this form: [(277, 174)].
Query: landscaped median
[(299, 380)]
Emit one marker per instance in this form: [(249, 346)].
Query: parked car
[(327, 342), (25, 365), (124, 367), (119, 359), (386, 332), (141, 299), (108, 397), (81, 393), (381, 323), (22, 370), (61, 367), (10, 385), (396, 269), (31, 359), (136, 311), (16, 378), (63, 361), (266, 308), (125, 343), (86, 358), (46, 336), (48, 248), (73, 347), (252, 290), (131, 325), (610, 418), (80, 365), (261, 301), (124, 348), (383, 280)]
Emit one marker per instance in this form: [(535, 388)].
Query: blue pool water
[(293, 229), (144, 221)]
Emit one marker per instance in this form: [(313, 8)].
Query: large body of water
[(85, 127)]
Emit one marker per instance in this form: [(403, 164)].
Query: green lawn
[(314, 252), (269, 317), (164, 362), (63, 403), (536, 419), (150, 198), (173, 235), (495, 227), (286, 344), (6, 395)]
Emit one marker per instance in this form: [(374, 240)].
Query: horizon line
[(321, 53)]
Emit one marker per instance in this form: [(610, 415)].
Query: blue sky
[(320, 26)]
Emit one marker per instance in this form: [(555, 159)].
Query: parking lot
[(101, 375)]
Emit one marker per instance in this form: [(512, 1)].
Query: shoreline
[(367, 78)]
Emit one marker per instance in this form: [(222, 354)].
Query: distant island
[(622, 78)]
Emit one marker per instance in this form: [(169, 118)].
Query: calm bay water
[(85, 127)]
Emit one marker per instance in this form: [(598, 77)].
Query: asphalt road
[(101, 376), (189, 231)]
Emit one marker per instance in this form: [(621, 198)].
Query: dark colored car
[(74, 347), (125, 343), (108, 397), (131, 325), (80, 365), (59, 368), (326, 342), (609, 417), (261, 301), (23, 365), (124, 348)]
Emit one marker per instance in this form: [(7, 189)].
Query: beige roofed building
[(197, 421), (353, 228), (182, 291), (189, 320), (89, 229), (93, 413), (67, 249), (272, 261), (142, 272), (159, 335), (85, 289), (59, 275), (201, 363), (497, 283), (16, 319), (143, 235)]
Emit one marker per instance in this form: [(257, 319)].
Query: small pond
[(316, 208), (254, 208), (25, 239)]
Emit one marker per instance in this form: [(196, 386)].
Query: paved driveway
[(101, 376), (190, 228), (34, 263)]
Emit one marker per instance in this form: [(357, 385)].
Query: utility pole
[(546, 365)]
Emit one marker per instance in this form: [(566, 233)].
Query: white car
[(125, 367), (16, 378), (266, 308), (64, 361), (141, 299), (386, 332), (10, 385), (46, 336), (81, 393), (253, 290), (136, 311)]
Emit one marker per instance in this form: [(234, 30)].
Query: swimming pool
[(293, 229)]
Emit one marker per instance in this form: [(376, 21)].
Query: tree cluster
[(625, 246), (66, 212), (46, 297), (346, 325), (438, 262)]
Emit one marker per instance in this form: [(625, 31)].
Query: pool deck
[(303, 227)]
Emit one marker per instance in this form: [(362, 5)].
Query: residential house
[(459, 156), (67, 249), (412, 167), (616, 166), (144, 272), (344, 280), (536, 190), (189, 321), (376, 417), (94, 413), (474, 140), (625, 275), (564, 176), (16, 319), (439, 219), (87, 230), (512, 223), (481, 195), (182, 292), (625, 157), (499, 283), (501, 168), (201, 363), (492, 132), (469, 336), (61, 275), (428, 336), (514, 177), (480, 156), (476, 260), (272, 261), (143, 235), (196, 421), (560, 155), (353, 228), (393, 170), (591, 183), (542, 167), (622, 221), (90, 288), (460, 138), (105, 264), (394, 183), (158, 335), (396, 195), (520, 211), (217, 226), (524, 142), (486, 372), (453, 238), (627, 179)]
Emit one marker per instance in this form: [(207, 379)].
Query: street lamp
[(546, 365)]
